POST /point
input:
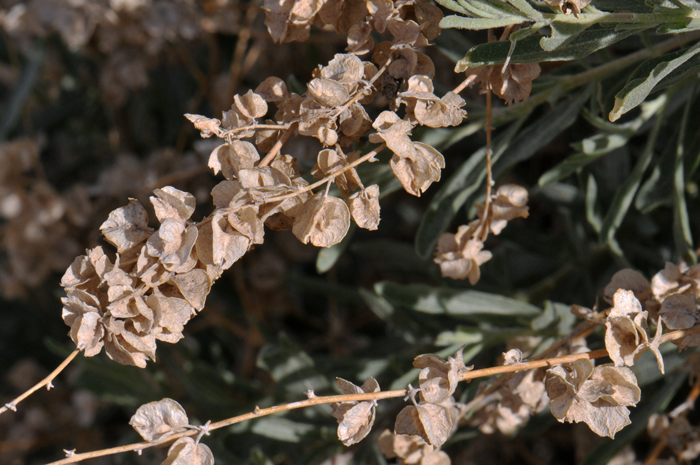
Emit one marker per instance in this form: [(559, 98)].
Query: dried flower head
[(626, 335), (438, 377), (599, 397), (355, 419), (512, 83), (509, 202), (460, 256)]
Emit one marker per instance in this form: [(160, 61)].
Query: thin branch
[(331, 176), (254, 127), (276, 148), (44, 382)]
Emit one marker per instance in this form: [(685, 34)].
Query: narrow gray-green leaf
[(477, 24), (681, 223), (453, 5), (646, 77), (468, 304), (562, 34), (529, 50), (527, 9), (592, 214), (541, 132), (625, 194)]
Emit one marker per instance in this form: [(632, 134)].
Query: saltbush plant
[(587, 107)]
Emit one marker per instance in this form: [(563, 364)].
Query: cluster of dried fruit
[(159, 280), (127, 34), (162, 419), (460, 255), (600, 396)]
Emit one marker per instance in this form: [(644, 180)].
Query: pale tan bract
[(599, 397), (418, 172), (626, 335), (158, 420), (323, 222), (627, 279), (355, 419), (459, 256), (432, 422), (426, 108), (512, 83), (186, 451), (364, 207), (509, 202), (438, 377), (126, 227), (207, 127)]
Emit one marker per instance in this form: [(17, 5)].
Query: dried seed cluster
[(160, 278), (460, 255)]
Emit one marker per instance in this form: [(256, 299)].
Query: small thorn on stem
[(11, 406), (69, 453)]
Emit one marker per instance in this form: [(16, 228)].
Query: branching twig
[(44, 382), (331, 176)]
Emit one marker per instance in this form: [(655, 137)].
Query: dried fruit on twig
[(459, 256), (630, 280), (509, 202), (324, 221), (626, 335), (438, 377), (512, 83), (681, 312), (599, 397), (432, 422), (355, 419), (364, 207), (158, 420), (186, 451)]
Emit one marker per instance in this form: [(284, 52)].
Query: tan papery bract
[(323, 222), (158, 420), (186, 451), (364, 207), (626, 335), (599, 397), (355, 419)]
